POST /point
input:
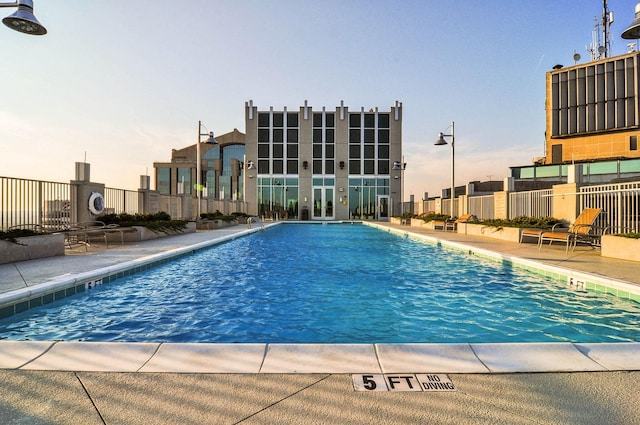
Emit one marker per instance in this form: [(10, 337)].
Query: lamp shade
[(24, 20), (440, 140), (633, 31), (211, 140)]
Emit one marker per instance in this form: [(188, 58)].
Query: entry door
[(323, 203), (383, 208)]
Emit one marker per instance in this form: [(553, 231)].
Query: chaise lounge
[(581, 229)]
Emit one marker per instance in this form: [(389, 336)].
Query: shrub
[(14, 234), (433, 216), (631, 235), (523, 221), (219, 216), (159, 222)]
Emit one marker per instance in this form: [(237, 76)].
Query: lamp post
[(211, 140), (23, 19), (441, 141), (397, 165)]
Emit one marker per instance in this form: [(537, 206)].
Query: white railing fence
[(619, 202), (534, 203), (482, 207)]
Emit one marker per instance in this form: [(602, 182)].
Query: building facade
[(323, 164), (593, 111), (221, 165)]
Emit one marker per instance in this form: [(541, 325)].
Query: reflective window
[(163, 180), (184, 181)]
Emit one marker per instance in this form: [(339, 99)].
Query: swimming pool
[(330, 284)]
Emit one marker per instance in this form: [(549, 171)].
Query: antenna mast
[(607, 20), (599, 51)]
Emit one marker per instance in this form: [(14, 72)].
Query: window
[(278, 119), (263, 119), (263, 150), (278, 150), (184, 181), (278, 166), (292, 135), (163, 180), (292, 166), (317, 119), (263, 135), (633, 143), (292, 119), (354, 166), (263, 166), (317, 166), (383, 120), (354, 120)]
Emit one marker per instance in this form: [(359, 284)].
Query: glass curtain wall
[(278, 197), (278, 150), (368, 162), (209, 174)]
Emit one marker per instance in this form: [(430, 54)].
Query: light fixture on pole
[(211, 140), (441, 141), (633, 30), (23, 19), (397, 165)]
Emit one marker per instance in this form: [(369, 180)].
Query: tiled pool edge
[(263, 358), (59, 287), (580, 280)]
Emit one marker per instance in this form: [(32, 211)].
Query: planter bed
[(620, 247), (31, 248), (141, 233), (510, 234), (214, 224)]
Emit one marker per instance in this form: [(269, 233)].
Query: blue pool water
[(337, 283)]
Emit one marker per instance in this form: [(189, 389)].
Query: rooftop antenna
[(607, 20), (599, 47)]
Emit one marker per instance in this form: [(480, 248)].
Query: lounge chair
[(533, 233), (453, 224), (579, 230)]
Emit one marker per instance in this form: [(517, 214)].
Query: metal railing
[(26, 202), (482, 206), (619, 202), (534, 203), (120, 201)]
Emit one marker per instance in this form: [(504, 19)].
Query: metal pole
[(198, 171), (453, 161)]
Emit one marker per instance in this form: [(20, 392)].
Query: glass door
[(383, 208), (323, 203)]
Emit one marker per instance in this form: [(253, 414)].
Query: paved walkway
[(66, 382)]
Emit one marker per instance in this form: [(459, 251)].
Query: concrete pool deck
[(70, 382)]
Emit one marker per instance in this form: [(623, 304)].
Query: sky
[(119, 84)]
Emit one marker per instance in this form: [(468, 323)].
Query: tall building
[(323, 164), (593, 111)]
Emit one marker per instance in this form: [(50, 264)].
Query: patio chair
[(580, 229), (453, 224)]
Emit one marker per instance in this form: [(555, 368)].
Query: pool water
[(336, 283)]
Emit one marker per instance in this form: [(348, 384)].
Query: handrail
[(255, 220)]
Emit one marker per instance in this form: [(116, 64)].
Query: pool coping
[(265, 358), (485, 358)]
